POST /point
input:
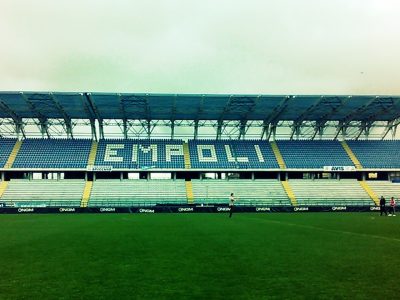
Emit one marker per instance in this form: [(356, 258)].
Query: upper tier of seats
[(53, 153), (6, 146), (313, 154), (204, 154), (223, 154), (377, 154)]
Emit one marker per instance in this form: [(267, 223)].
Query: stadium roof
[(270, 108)]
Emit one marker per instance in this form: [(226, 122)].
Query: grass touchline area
[(198, 256)]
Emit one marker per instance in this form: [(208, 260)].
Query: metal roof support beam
[(343, 124), (42, 120), (219, 129), (196, 129), (172, 129), (242, 129), (364, 128), (305, 114), (272, 131), (319, 129), (274, 116), (148, 128), (68, 128), (101, 128), (44, 127), (93, 111), (19, 129), (394, 130), (125, 128), (296, 130), (265, 130), (93, 129), (67, 120), (19, 126), (391, 126), (341, 129)]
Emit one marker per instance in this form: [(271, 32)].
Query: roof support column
[(19, 128), (296, 130), (391, 127), (148, 128), (364, 127), (44, 128), (219, 129), (68, 127), (172, 129), (319, 129), (125, 128), (196, 129), (341, 129), (242, 129), (272, 131), (265, 130), (93, 129), (101, 128)]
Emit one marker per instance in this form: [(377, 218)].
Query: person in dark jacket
[(382, 204), (231, 204)]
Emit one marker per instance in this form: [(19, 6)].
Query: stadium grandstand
[(97, 152)]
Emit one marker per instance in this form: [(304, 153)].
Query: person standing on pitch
[(231, 204), (392, 206), (382, 204)]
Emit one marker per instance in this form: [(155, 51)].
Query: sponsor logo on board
[(372, 208), (146, 210), (185, 209), (339, 208), (223, 209), (25, 210), (68, 209), (107, 209), (301, 209), (263, 209)]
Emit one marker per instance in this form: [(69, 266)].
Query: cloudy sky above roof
[(219, 46)]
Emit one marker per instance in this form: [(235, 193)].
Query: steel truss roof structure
[(136, 114)]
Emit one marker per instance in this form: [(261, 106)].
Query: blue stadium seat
[(140, 154), (377, 154), (53, 153), (6, 146), (313, 154), (229, 154)]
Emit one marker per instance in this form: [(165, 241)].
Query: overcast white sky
[(207, 46)]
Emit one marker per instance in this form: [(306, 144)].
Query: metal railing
[(183, 201)]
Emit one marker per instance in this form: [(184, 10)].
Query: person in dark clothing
[(231, 204), (382, 204)]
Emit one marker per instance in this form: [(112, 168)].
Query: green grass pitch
[(200, 256)]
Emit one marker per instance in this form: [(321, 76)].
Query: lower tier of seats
[(329, 192), (137, 192), (49, 193), (247, 192), (124, 193)]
